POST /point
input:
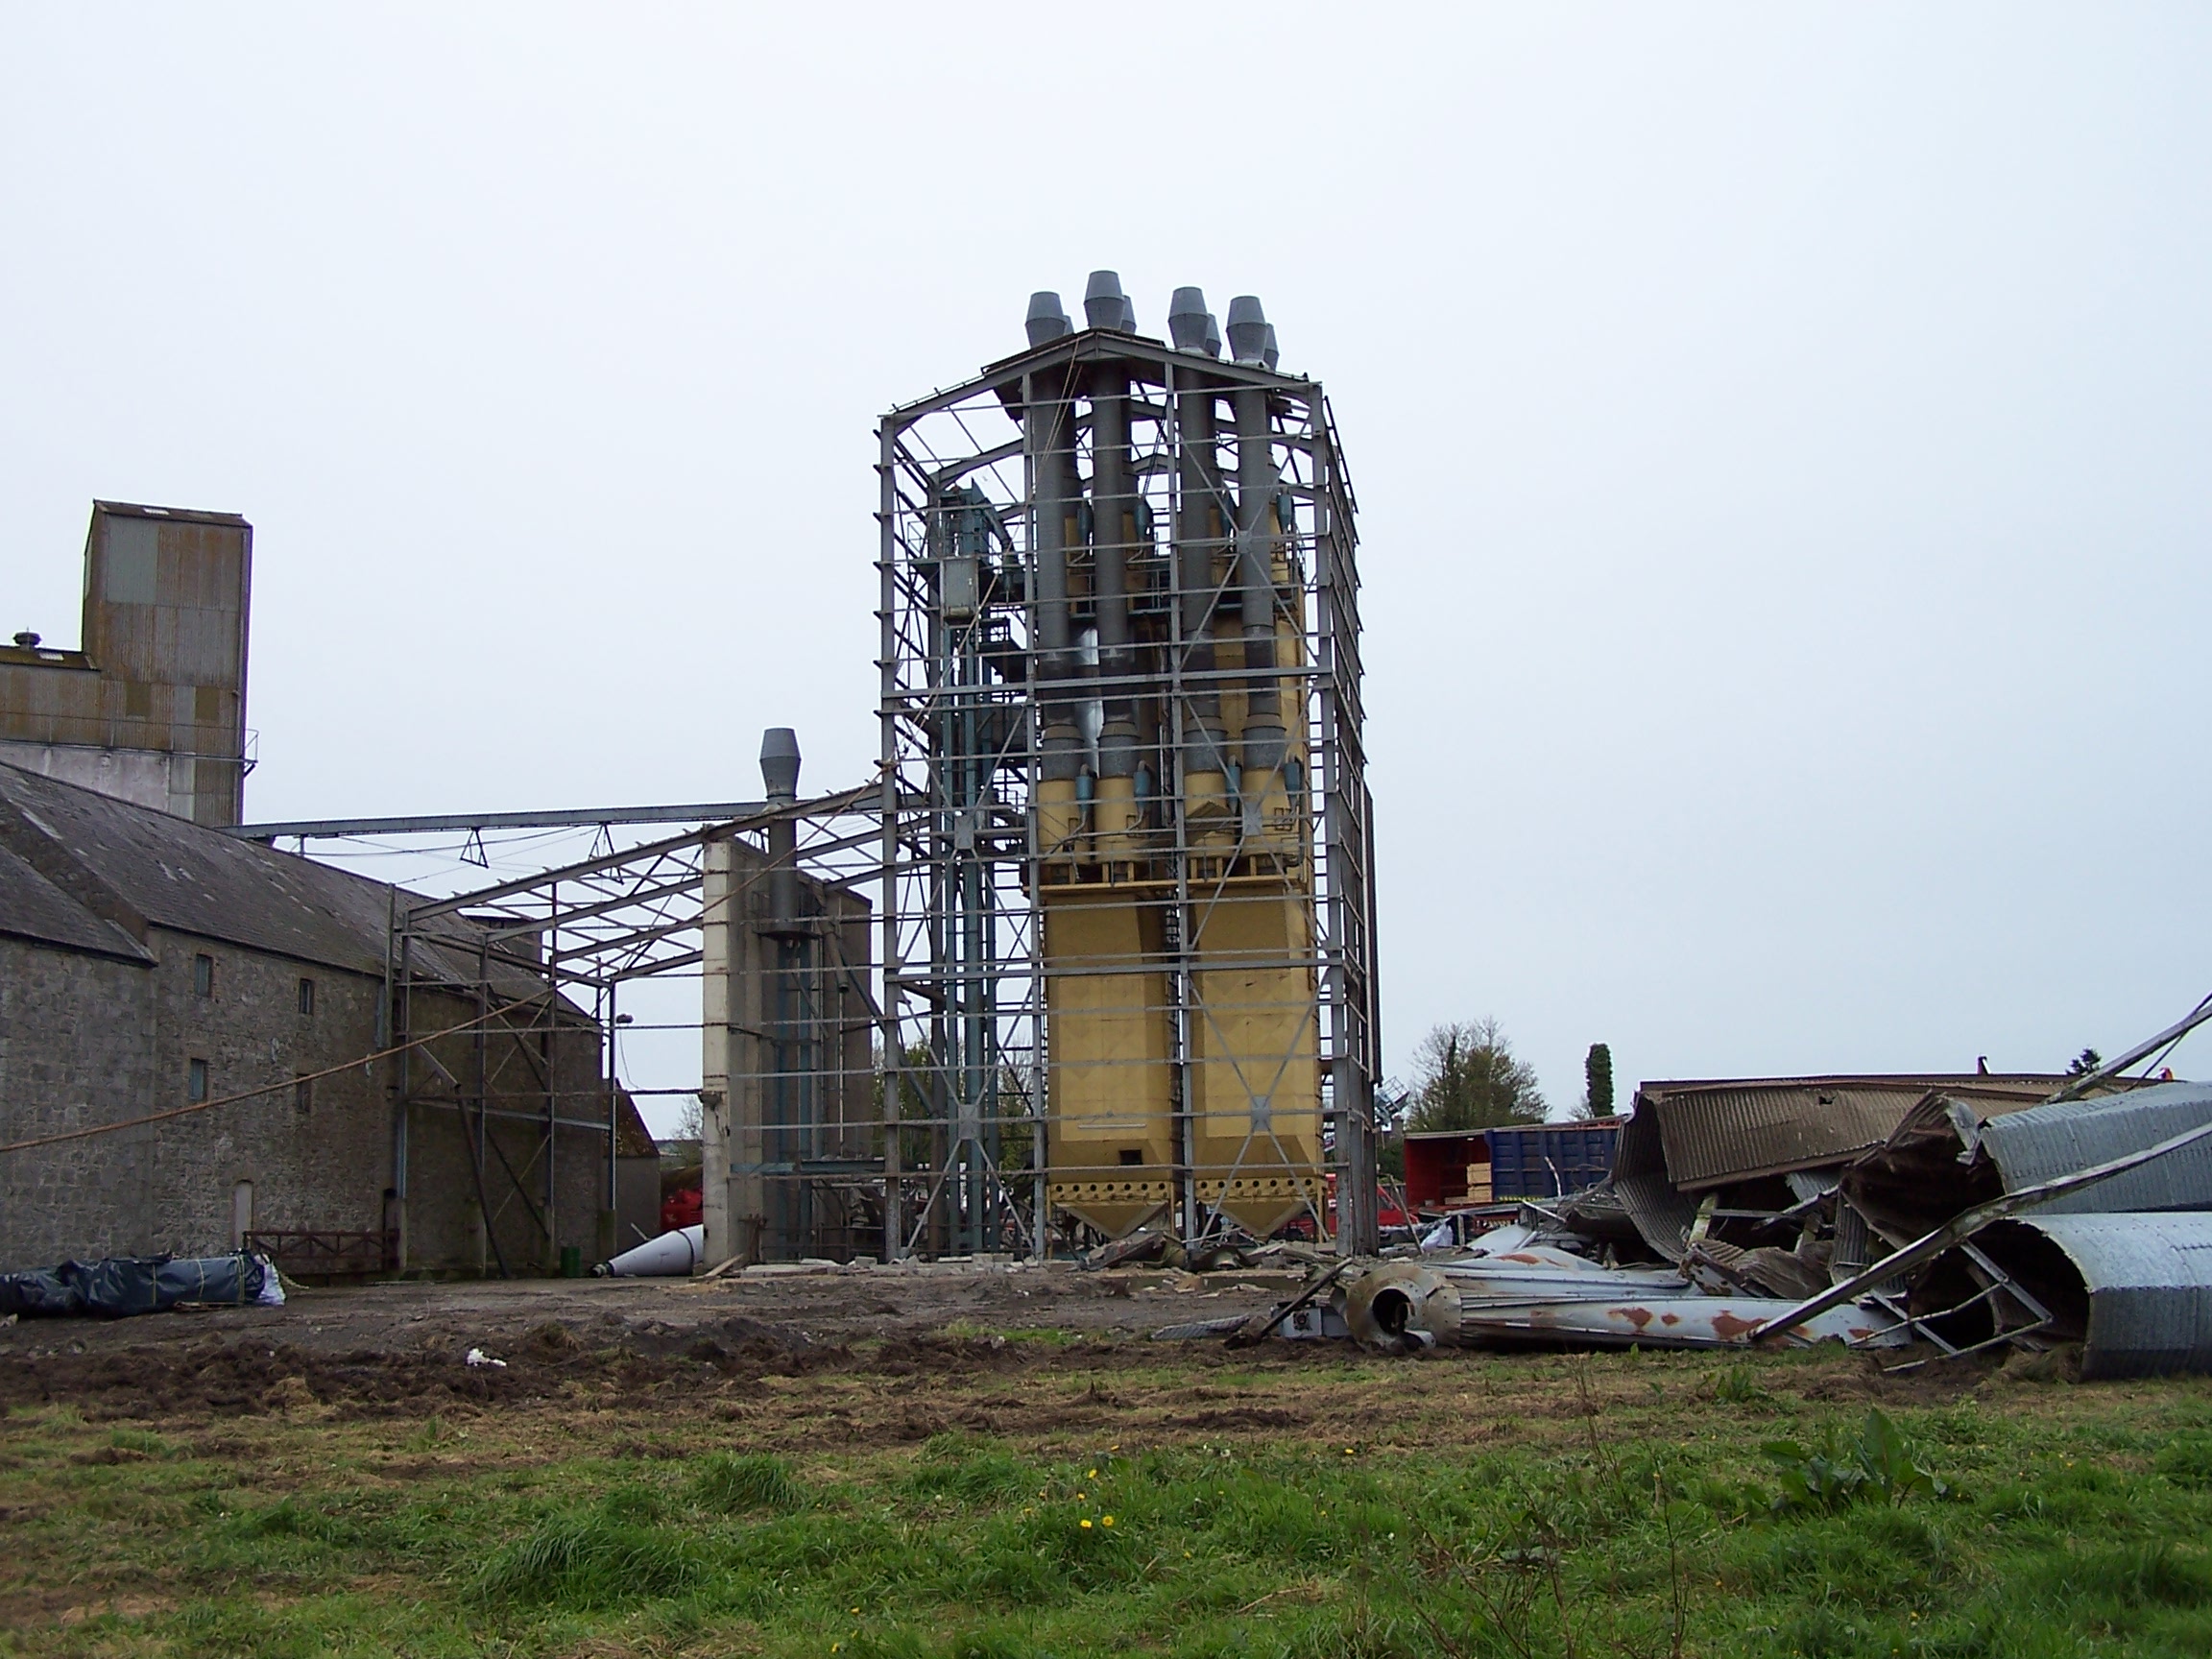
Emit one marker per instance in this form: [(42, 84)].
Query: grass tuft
[(592, 1560), (2186, 1460), (736, 1483)]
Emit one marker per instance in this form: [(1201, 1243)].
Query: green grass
[(2075, 1522)]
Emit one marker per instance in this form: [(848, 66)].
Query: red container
[(1436, 1167), (683, 1208)]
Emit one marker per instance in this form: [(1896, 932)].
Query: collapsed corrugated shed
[(1718, 1132), (1952, 1152), (1761, 1146)]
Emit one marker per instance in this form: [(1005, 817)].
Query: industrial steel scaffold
[(1128, 905)]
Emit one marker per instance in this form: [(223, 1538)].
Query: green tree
[(2085, 1063), (1597, 1082), (1468, 1078)]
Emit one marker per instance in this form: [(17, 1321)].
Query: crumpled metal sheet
[(2046, 1141), (2147, 1280), (1719, 1131), (1662, 1213)]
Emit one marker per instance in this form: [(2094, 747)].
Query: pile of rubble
[(1967, 1214)]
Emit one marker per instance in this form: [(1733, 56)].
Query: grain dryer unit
[(1127, 878)]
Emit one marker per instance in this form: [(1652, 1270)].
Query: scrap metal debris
[(1955, 1214)]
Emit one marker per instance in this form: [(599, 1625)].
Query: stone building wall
[(313, 1159), (76, 1049), (86, 1039)]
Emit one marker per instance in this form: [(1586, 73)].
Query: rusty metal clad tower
[(151, 708), (1126, 834)]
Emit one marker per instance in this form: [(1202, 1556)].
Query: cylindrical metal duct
[(1256, 485), (1047, 318), (780, 772), (1114, 815), (1104, 304), (1187, 318), (1201, 523), (1268, 355), (1048, 428), (780, 764), (1112, 532), (1248, 329)]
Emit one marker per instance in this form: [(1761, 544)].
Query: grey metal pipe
[(1047, 319), (1257, 482), (1248, 329), (1187, 320), (1201, 516), (787, 1104), (1050, 429), (779, 774), (1112, 509), (1105, 305)]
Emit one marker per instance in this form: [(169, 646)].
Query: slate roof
[(32, 907), (65, 851)]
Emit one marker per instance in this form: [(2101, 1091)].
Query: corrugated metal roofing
[(1715, 1132), (2046, 1141), (190, 879), (1658, 1208), (2148, 1279)]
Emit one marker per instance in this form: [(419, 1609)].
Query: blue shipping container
[(1545, 1160)]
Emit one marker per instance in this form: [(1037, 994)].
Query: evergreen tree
[(1597, 1082)]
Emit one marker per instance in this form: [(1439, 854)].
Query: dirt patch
[(1931, 1384), (427, 1371), (222, 1377), (1240, 1417)]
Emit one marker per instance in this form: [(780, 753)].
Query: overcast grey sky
[(1781, 434)]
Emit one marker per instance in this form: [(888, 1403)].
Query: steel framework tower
[(1126, 893)]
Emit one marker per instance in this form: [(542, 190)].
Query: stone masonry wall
[(322, 1163), (87, 1040), (76, 1050)]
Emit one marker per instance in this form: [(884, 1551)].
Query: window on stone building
[(306, 995), (203, 976), (302, 1090), (196, 1080)]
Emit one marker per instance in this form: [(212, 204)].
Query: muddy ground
[(404, 1347), (899, 1354)]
